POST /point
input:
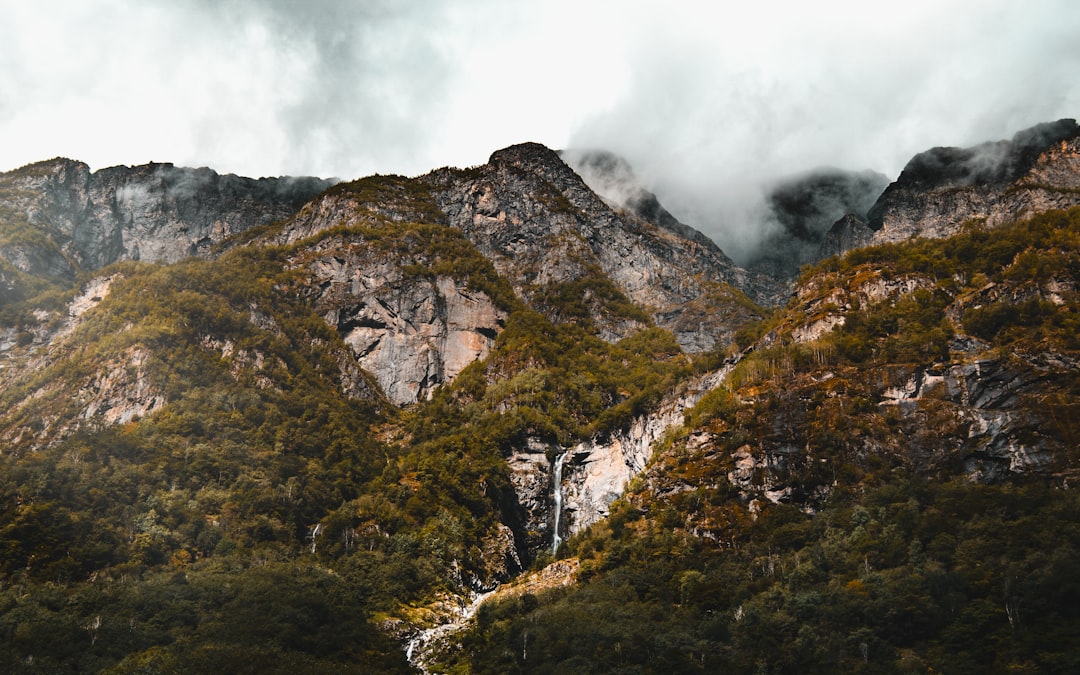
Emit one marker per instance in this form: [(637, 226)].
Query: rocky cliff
[(62, 218), (540, 224), (941, 189), (411, 332), (405, 390), (547, 232)]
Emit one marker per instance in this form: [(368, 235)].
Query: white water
[(556, 540), (418, 647)]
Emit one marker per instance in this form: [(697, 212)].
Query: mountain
[(801, 211), (488, 420), (997, 182), (61, 219)]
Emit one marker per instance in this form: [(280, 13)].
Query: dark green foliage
[(915, 576), (991, 252), (555, 382), (911, 330), (193, 531), (904, 568), (207, 617), (587, 297), (1034, 319)]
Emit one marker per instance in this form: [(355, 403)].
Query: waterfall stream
[(419, 648), (556, 540)]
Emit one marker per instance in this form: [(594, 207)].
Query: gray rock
[(154, 212), (941, 189)]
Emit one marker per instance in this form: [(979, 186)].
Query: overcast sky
[(708, 100)]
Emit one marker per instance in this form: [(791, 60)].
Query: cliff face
[(540, 224), (411, 333), (941, 189), (85, 220), (544, 230)]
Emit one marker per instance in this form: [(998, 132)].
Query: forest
[(263, 518)]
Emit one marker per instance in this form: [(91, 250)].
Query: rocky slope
[(941, 189), (408, 390), (876, 474), (61, 218), (546, 231), (541, 225)]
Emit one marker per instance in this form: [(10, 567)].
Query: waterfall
[(556, 540)]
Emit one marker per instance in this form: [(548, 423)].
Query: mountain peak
[(613, 179), (986, 163), (529, 156), (995, 182)]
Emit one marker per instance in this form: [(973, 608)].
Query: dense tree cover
[(882, 556), (186, 540), (910, 576), (262, 518)]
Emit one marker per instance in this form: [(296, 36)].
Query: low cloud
[(710, 103), (718, 112)]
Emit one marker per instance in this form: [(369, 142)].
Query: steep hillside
[(882, 478), (320, 442), (180, 438), (83, 220), (565, 251), (941, 189)]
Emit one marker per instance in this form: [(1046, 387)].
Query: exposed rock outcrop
[(850, 232), (540, 224), (941, 189), (411, 333), (70, 219), (599, 469), (999, 434)]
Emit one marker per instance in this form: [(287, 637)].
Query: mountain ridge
[(346, 421)]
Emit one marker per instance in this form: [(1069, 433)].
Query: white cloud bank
[(708, 100)]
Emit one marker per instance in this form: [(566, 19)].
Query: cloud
[(728, 105), (708, 101)]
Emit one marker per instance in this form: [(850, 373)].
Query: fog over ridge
[(710, 103)]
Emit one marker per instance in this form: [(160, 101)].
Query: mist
[(726, 110), (710, 103)]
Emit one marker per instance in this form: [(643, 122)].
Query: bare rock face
[(850, 232), (540, 224), (594, 474), (117, 393), (533, 480), (999, 435), (410, 333), (72, 219), (597, 471), (942, 188)]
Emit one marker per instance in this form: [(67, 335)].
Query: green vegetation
[(385, 194), (990, 252), (261, 516), (911, 577), (586, 298), (881, 555)]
